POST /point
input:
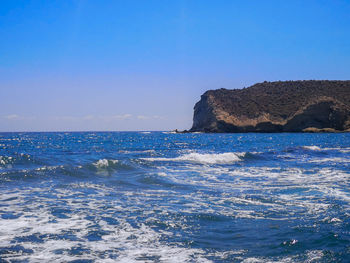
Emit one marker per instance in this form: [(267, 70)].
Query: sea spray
[(128, 197)]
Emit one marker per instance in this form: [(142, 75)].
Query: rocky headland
[(281, 106)]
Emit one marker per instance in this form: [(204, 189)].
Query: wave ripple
[(164, 197)]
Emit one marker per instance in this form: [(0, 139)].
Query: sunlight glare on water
[(162, 197)]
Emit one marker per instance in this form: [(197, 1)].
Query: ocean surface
[(163, 197)]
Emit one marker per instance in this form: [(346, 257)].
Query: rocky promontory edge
[(282, 106)]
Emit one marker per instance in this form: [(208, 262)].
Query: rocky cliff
[(283, 106)]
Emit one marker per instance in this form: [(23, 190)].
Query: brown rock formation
[(283, 106)]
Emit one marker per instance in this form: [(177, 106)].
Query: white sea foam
[(335, 220), (312, 256), (330, 160), (267, 193), (284, 192), (292, 259), (317, 148), (130, 243), (204, 158), (104, 163), (44, 168), (339, 149), (123, 241), (136, 151), (312, 148)]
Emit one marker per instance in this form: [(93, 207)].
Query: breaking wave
[(131, 197), (102, 167), (312, 148), (333, 149), (204, 158), (105, 163)]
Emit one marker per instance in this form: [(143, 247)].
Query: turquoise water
[(162, 197)]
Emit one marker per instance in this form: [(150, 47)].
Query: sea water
[(162, 197)]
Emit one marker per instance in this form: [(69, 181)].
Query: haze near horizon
[(142, 65)]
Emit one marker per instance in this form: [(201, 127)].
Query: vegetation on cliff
[(282, 106)]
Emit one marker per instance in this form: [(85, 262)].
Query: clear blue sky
[(142, 65)]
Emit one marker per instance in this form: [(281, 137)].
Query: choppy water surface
[(160, 197)]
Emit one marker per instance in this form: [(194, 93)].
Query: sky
[(84, 65)]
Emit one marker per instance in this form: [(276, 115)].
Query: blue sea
[(164, 197)]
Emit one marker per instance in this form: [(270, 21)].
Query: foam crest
[(136, 151), (197, 199), (338, 149), (312, 148), (104, 163), (330, 160), (335, 149), (204, 158)]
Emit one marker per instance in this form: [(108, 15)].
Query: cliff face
[(284, 106)]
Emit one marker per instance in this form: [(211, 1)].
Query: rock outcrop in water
[(282, 106)]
